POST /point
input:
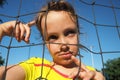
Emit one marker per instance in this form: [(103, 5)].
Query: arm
[(21, 32), (1, 32), (14, 72)]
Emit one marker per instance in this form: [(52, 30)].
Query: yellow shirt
[(33, 68)]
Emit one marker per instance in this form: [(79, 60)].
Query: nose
[(64, 48), (64, 45)]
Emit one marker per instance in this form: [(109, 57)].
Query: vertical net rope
[(94, 23)]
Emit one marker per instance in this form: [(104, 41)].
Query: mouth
[(66, 55)]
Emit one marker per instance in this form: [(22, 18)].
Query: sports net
[(99, 22)]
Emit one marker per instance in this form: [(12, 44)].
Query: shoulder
[(32, 67), (90, 68), (13, 72), (35, 60)]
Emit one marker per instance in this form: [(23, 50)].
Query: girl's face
[(60, 29)]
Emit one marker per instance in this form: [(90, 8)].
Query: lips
[(66, 55)]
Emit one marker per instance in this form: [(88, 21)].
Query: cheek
[(52, 48), (73, 40), (75, 47)]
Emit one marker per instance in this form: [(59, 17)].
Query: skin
[(22, 32), (13, 72), (63, 54), (65, 33), (21, 29)]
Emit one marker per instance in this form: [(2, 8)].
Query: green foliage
[(112, 69), (1, 61)]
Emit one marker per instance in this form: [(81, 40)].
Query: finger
[(22, 30), (87, 75), (73, 74), (77, 62), (31, 23), (99, 76), (81, 65), (82, 75), (28, 31), (17, 32)]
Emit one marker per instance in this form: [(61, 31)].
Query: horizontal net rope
[(95, 24)]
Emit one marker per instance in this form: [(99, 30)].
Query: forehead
[(58, 18)]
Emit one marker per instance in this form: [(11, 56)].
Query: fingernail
[(28, 41), (18, 39)]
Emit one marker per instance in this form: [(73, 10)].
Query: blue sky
[(109, 39)]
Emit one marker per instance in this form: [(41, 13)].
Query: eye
[(70, 32), (52, 38)]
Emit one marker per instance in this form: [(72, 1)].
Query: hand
[(20, 32), (85, 74)]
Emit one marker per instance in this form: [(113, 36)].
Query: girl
[(58, 25)]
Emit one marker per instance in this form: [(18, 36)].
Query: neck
[(65, 69), (72, 65)]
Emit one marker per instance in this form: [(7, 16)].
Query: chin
[(67, 63)]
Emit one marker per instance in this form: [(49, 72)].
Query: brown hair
[(60, 5)]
